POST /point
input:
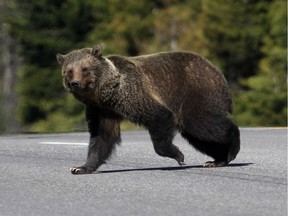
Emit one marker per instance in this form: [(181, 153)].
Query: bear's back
[(176, 80), (184, 76), (180, 69)]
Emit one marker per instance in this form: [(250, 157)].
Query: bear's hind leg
[(218, 151), (233, 148), (218, 138), (162, 132)]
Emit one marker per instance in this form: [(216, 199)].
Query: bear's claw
[(182, 163), (215, 163), (81, 170)]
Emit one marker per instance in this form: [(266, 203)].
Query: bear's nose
[(75, 84)]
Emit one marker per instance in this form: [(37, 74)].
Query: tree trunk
[(10, 62)]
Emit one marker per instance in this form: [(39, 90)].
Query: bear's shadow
[(169, 168)]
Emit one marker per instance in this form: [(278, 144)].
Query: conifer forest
[(245, 39)]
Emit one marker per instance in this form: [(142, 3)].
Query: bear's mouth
[(79, 89), (74, 88)]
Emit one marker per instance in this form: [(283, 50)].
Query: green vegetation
[(265, 102), (246, 39)]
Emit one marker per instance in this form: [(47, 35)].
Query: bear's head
[(83, 69)]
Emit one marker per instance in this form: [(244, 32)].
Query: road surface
[(35, 178)]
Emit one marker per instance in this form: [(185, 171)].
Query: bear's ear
[(60, 59), (97, 51)]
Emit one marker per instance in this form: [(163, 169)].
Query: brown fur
[(165, 92)]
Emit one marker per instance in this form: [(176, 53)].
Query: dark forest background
[(246, 39)]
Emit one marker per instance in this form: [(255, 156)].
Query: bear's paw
[(215, 163), (81, 170)]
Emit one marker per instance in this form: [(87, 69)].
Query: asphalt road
[(35, 178)]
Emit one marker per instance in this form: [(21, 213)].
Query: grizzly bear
[(164, 92)]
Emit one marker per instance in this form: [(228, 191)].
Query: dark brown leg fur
[(104, 135), (235, 142), (222, 141), (162, 132)]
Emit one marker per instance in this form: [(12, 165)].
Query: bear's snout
[(75, 85)]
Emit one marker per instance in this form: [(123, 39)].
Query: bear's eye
[(84, 69), (70, 72)]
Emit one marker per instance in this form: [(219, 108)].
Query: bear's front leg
[(95, 157), (104, 129)]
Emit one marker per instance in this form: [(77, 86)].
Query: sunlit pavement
[(35, 177)]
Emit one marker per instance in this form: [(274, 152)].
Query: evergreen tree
[(245, 39), (233, 32), (45, 28), (265, 103), (126, 26), (176, 27)]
